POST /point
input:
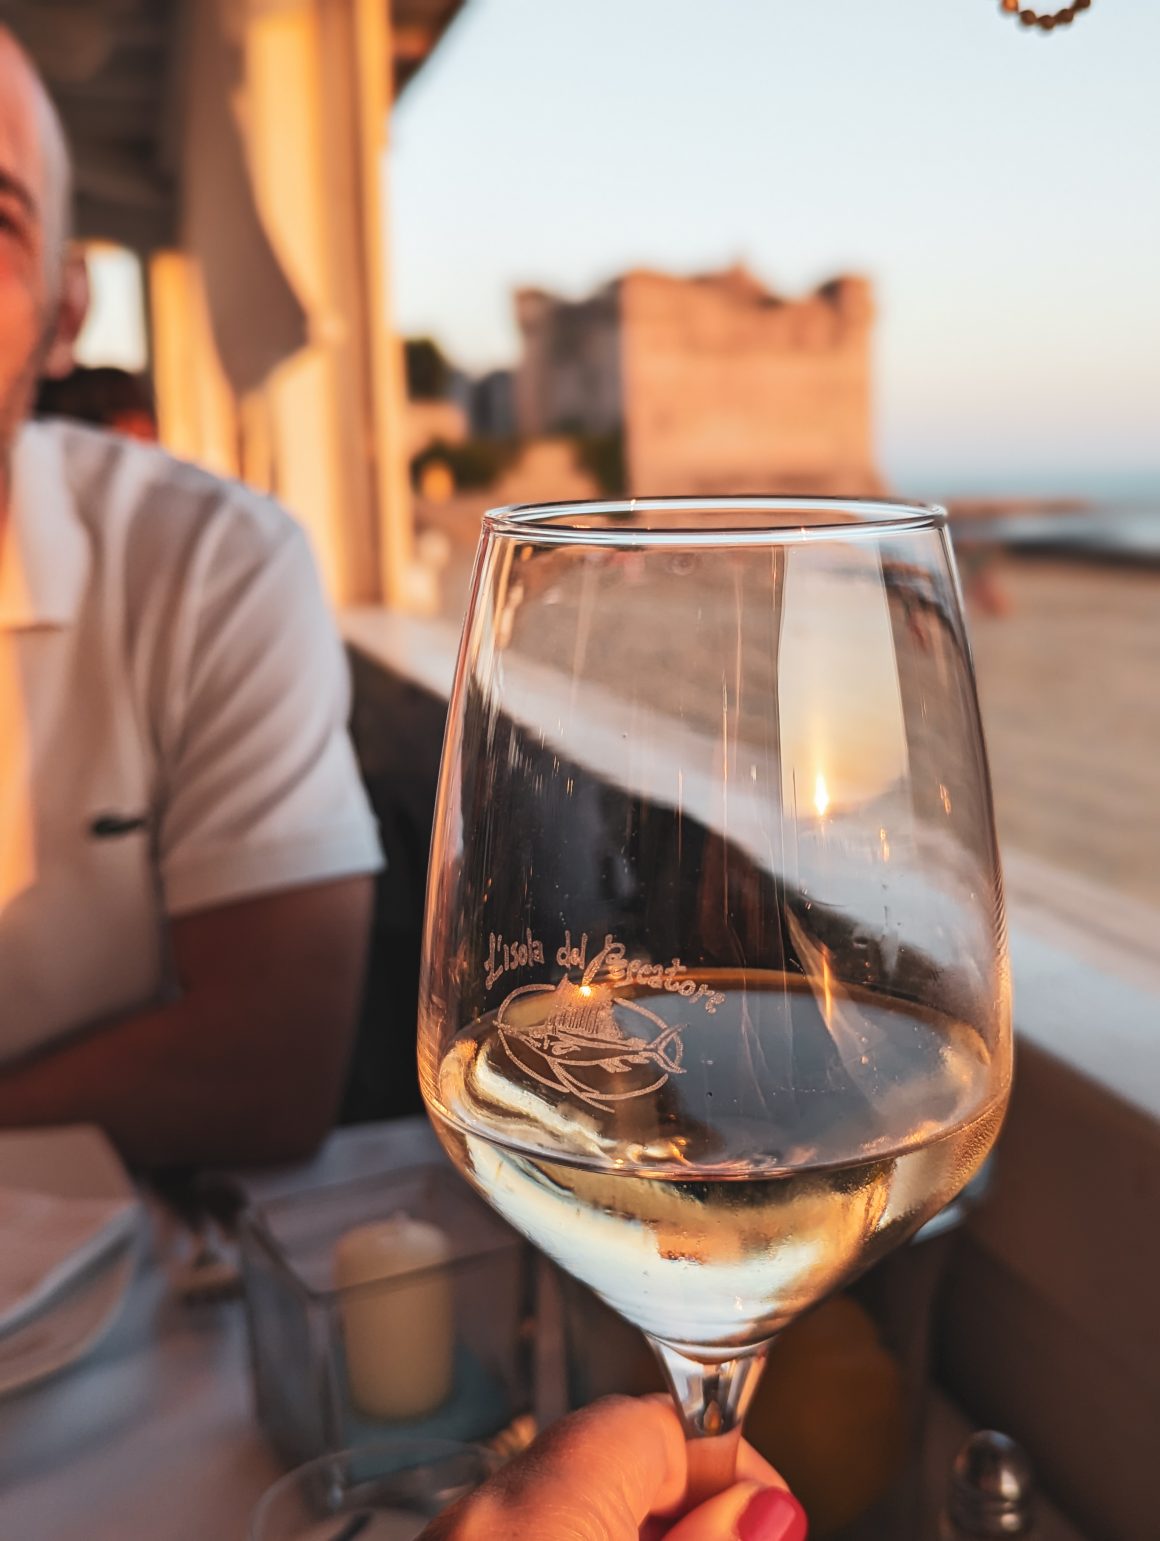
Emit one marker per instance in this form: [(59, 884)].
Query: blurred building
[(434, 422), (717, 384), (493, 404)]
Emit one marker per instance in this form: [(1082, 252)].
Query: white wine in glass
[(715, 1002)]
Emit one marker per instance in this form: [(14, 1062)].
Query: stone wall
[(730, 389)]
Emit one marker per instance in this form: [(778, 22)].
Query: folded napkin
[(46, 1242)]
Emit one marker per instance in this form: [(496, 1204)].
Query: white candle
[(400, 1338)]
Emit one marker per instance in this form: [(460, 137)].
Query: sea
[(1113, 518)]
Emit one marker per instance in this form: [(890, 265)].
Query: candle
[(400, 1338)]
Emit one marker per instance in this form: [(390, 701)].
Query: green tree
[(428, 372)]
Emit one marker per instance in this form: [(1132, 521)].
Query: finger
[(751, 1467), (594, 1476), (745, 1512)]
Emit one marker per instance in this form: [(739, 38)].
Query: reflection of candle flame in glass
[(821, 794), (827, 993)]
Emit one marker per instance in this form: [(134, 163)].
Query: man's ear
[(71, 309)]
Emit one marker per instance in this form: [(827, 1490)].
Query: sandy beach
[(1070, 689)]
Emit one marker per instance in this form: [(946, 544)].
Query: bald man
[(185, 848)]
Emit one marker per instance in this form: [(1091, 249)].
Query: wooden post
[(304, 163), (196, 410), (373, 60), (328, 432)]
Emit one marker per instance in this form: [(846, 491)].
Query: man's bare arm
[(247, 1065)]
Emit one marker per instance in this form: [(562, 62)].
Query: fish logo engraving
[(589, 1043)]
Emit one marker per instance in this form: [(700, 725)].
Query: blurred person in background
[(185, 848), (105, 397)]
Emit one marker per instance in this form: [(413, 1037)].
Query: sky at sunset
[(998, 185)]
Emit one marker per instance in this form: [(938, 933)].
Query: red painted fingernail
[(773, 1515)]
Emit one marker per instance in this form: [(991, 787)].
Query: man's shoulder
[(130, 495)]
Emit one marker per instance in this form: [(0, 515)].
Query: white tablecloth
[(151, 1437)]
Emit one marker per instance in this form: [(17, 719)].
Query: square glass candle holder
[(394, 1304)]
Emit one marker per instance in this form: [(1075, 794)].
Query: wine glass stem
[(712, 1397)]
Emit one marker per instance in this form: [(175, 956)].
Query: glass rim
[(433, 1446), (555, 523)]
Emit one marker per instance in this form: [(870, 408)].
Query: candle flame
[(821, 795), (585, 989)]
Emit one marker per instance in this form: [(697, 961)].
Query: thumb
[(594, 1476), (744, 1512)]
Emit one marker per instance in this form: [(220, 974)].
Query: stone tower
[(718, 385)]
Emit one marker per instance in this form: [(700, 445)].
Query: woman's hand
[(616, 1471)]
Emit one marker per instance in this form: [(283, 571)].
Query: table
[(151, 1438), (152, 1435)]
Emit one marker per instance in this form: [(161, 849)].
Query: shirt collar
[(44, 550)]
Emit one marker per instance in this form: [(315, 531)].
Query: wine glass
[(714, 1004)]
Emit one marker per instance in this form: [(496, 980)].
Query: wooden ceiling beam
[(412, 44)]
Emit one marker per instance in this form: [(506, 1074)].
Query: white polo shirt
[(176, 722)]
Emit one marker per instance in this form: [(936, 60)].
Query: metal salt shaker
[(992, 1491)]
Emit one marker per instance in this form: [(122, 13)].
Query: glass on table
[(384, 1492), (714, 1004)]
